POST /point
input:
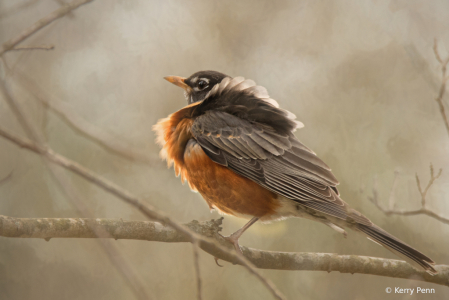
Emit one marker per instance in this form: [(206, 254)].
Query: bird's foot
[(234, 240)]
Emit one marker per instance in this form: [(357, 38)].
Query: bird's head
[(198, 84)]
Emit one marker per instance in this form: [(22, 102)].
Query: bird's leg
[(234, 238)]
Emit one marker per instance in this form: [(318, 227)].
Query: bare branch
[(70, 14), (16, 109), (146, 209), (112, 253), (154, 231), (132, 279), (439, 98), (421, 211), (431, 181), (59, 13), (126, 196), (109, 142), (42, 47), (6, 178), (16, 8), (196, 263), (391, 201), (435, 50)]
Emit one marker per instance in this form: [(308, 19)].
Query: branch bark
[(153, 231), (130, 277), (147, 210), (59, 13)]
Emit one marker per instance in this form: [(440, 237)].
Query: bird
[(236, 146)]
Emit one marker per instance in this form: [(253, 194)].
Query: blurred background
[(361, 75)]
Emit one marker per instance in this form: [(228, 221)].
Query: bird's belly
[(225, 190)]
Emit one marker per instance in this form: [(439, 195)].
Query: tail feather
[(387, 240)]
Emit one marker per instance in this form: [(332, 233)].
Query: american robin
[(235, 146)]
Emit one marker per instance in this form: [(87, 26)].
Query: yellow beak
[(179, 81)]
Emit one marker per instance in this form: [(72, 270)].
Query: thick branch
[(154, 231), (146, 209), (59, 13), (110, 187), (132, 279)]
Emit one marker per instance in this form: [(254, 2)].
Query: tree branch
[(17, 7), (146, 209), (130, 277), (444, 79), (42, 47), (59, 13), (154, 231), (429, 184), (421, 211), (103, 138), (196, 262), (6, 178), (124, 195)]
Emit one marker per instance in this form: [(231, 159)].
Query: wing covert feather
[(274, 160)]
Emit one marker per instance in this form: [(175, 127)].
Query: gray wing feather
[(280, 163)]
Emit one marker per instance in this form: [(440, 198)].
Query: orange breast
[(220, 187), (225, 190)]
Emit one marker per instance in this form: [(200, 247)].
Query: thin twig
[(103, 138), (154, 231), (42, 47), (421, 211), (62, 3), (6, 178), (132, 279), (146, 209), (16, 8), (435, 50), (18, 112), (391, 201), (196, 263), (431, 181), (126, 196), (59, 13), (439, 99)]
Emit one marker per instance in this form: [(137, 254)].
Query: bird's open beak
[(179, 81)]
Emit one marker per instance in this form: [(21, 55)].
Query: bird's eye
[(202, 84)]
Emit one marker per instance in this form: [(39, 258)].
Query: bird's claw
[(235, 242), (216, 261)]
